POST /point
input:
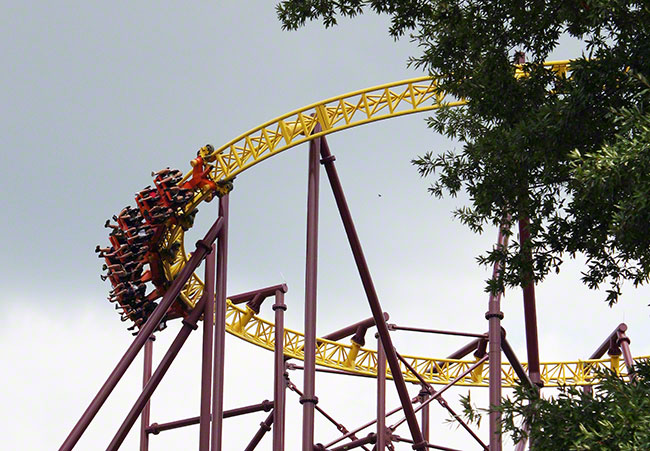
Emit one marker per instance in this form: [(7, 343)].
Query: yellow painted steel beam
[(289, 130), (335, 114), (338, 113), (336, 355)]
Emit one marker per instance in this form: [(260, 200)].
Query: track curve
[(221, 165)]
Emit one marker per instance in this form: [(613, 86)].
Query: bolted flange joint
[(279, 307), (328, 159), (422, 445), (489, 315), (201, 244), (304, 399), (153, 429), (194, 326), (622, 339)]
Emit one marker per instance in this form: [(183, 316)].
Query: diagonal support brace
[(371, 294)]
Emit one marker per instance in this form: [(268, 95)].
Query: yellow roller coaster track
[(339, 113)]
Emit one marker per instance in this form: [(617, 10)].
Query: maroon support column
[(206, 362), (612, 346), (280, 385), (309, 399), (220, 327), (146, 412), (494, 317), (624, 342), (189, 324), (202, 248), (371, 294), (381, 397), (424, 395), (530, 312)]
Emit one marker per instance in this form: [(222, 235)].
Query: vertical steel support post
[(220, 327), (381, 397), (627, 355), (624, 342), (530, 311), (280, 383), (206, 360), (202, 248), (371, 294), (189, 324), (424, 395), (146, 412), (309, 399), (613, 346), (494, 316)]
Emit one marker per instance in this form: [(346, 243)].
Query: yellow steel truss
[(339, 113), (336, 355)]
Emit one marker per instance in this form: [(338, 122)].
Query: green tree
[(569, 153), (615, 417)]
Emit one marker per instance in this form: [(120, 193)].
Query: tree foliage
[(615, 417), (569, 153)]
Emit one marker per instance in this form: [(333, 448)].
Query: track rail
[(336, 355), (357, 108)]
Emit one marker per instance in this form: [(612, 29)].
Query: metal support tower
[(212, 308)]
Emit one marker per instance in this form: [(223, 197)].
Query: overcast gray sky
[(96, 96)]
